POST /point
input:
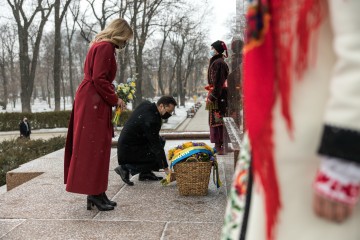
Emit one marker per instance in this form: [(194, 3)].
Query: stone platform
[(42, 209)]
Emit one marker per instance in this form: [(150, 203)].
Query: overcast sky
[(222, 10)]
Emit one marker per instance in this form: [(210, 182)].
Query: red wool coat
[(88, 143)]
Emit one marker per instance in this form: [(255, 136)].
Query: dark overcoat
[(88, 143), (25, 130), (139, 142)]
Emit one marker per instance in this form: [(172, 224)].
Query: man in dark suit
[(140, 147), (25, 128)]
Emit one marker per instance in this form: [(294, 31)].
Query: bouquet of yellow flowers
[(126, 92)]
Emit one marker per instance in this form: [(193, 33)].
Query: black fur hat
[(220, 47)]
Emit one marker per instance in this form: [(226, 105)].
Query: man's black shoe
[(149, 176), (124, 174)]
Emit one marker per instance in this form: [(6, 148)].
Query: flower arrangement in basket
[(192, 163), (126, 92)]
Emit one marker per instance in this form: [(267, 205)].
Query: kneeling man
[(140, 147)]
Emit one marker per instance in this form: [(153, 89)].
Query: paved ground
[(42, 209)]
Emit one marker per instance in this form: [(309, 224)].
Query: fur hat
[(220, 47)]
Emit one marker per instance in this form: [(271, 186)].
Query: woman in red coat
[(88, 144)]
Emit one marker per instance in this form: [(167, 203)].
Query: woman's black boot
[(108, 201), (99, 202)]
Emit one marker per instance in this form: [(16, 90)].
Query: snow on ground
[(178, 116), (40, 105)]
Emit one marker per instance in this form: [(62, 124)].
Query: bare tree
[(195, 54), (4, 77), (3, 63), (80, 48), (187, 40), (143, 20), (10, 47), (58, 18), (46, 66), (123, 56), (70, 30), (165, 28), (179, 40), (27, 63), (108, 8), (107, 11)]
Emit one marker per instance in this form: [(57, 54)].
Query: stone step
[(42, 209)]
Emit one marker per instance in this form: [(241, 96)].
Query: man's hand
[(330, 209), (121, 104), (166, 170)]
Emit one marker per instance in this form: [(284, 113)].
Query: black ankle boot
[(108, 201), (99, 202), (124, 174), (149, 176)]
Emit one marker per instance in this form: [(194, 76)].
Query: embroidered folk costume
[(302, 119), (218, 72)]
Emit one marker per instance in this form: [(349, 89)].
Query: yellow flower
[(132, 91), (177, 151), (133, 84), (208, 147), (130, 97), (187, 144)]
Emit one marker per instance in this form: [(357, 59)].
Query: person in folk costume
[(88, 143), (216, 102), (302, 119)]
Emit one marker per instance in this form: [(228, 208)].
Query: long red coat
[(88, 143)]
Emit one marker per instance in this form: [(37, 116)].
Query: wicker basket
[(193, 178)]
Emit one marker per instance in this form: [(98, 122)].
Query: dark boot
[(149, 176), (99, 202), (124, 174), (108, 201), (219, 149)]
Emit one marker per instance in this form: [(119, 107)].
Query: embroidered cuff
[(338, 180), (340, 143)]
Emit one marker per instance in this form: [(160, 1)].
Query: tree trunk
[(27, 66), (43, 92), (63, 87), (58, 17), (139, 79), (123, 64), (160, 82), (5, 81), (12, 70), (57, 55), (48, 88), (171, 90), (26, 88), (72, 93)]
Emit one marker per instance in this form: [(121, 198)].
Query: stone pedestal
[(235, 82)]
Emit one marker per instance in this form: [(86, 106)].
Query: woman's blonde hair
[(117, 32)]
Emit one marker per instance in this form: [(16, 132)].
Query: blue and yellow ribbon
[(188, 152)]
